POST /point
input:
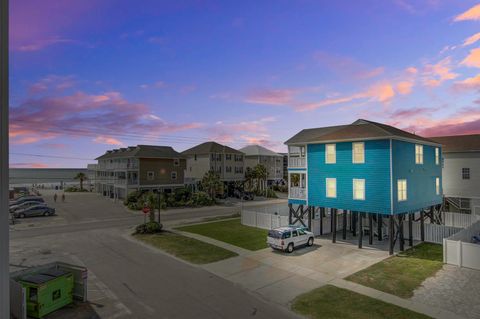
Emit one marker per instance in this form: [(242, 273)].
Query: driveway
[(128, 280), (280, 277), (452, 288)]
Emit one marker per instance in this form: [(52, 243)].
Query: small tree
[(81, 177), (211, 183)]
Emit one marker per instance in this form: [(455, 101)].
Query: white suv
[(289, 238)]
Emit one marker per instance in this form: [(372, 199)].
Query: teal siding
[(375, 171), (297, 201), (420, 178)]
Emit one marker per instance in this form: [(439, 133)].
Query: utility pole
[(159, 204), (4, 194)]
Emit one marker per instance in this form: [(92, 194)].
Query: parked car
[(27, 198), (289, 238), (25, 205), (243, 195), (37, 210)]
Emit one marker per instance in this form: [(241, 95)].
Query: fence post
[(444, 250), (460, 253)]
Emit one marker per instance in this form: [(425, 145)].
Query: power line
[(51, 156)]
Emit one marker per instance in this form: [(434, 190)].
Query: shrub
[(73, 189), (132, 197), (149, 228), (201, 199)]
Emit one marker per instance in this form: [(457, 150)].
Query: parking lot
[(128, 280)]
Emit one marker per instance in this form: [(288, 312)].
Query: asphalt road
[(149, 283)]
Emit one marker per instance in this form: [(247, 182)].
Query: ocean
[(46, 176)]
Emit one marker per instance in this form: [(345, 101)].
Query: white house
[(461, 171)]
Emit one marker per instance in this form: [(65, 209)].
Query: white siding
[(453, 184)]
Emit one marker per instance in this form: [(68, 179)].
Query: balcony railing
[(296, 162), (298, 193)]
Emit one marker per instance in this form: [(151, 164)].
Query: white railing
[(296, 162), (298, 193)]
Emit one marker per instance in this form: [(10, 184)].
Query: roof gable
[(257, 150), (210, 147), (360, 129)]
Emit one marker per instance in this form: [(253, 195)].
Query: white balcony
[(297, 193), (296, 162)]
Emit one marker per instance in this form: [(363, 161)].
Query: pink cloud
[(346, 67), (473, 59), (471, 14), (29, 165), (107, 140), (435, 74), (471, 40), (87, 115), (271, 96), (404, 87), (52, 82), (469, 83), (49, 29), (421, 121), (241, 133)]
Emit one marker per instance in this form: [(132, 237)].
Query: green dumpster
[(47, 291)]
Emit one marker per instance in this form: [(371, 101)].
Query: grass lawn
[(231, 232), (400, 275), (189, 249), (333, 302)]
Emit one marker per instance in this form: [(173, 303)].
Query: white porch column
[(4, 193)]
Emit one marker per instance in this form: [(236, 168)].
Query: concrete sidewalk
[(279, 277)]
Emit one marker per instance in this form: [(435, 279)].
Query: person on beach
[(63, 198), (55, 197)]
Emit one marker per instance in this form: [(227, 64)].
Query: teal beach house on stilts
[(371, 173)]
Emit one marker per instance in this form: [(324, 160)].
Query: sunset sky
[(91, 75)]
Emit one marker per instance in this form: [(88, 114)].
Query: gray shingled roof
[(142, 151), (459, 143), (257, 150), (357, 130), (210, 147)]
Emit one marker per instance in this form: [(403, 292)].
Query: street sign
[(146, 210)]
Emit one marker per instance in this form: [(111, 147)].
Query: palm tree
[(81, 177), (211, 183), (261, 174)]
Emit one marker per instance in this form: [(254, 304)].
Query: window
[(294, 233), (32, 294), (437, 156), (228, 157), (359, 189), (332, 187), (228, 169), (465, 173), (330, 154), (296, 151), (358, 151), (195, 157), (238, 158), (418, 154), (238, 170), (176, 162), (173, 175), (57, 294), (402, 190), (219, 157), (437, 185), (150, 175)]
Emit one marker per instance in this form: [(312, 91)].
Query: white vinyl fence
[(433, 233), (269, 220), (459, 249), (459, 219)]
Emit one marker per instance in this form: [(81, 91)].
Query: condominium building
[(273, 162), (227, 162), (142, 167)]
